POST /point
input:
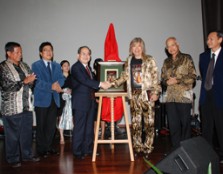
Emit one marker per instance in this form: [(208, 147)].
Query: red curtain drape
[(111, 54)]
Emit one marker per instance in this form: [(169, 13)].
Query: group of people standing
[(49, 84), (179, 76)]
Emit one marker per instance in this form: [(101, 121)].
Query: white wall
[(69, 24)]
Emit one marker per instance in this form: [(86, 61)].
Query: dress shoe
[(33, 159), (53, 152), (80, 157), (138, 154), (43, 154), (17, 164)]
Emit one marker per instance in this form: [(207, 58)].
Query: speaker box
[(192, 157)]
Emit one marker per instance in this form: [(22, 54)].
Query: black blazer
[(217, 77), (82, 87)]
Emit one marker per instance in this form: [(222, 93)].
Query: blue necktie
[(49, 69)]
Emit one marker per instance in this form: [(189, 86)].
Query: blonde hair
[(133, 42)]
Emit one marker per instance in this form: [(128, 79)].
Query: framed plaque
[(109, 71)]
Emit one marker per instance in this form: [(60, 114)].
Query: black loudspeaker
[(192, 157)]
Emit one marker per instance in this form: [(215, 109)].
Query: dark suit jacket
[(217, 77), (82, 87), (43, 85)]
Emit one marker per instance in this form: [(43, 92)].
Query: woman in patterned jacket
[(143, 88)]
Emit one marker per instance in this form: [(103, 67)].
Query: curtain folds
[(212, 14)]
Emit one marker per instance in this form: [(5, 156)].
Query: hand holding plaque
[(105, 85)]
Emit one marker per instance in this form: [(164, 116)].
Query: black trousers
[(83, 131), (212, 121), (179, 116), (45, 127), (18, 136)]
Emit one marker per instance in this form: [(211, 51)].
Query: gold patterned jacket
[(184, 71), (150, 77)]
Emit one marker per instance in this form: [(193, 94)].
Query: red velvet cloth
[(106, 109), (111, 54), (111, 46)]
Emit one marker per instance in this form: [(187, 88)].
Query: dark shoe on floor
[(17, 164), (43, 154), (80, 157), (138, 154), (33, 159), (53, 152)]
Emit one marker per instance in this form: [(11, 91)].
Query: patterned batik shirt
[(16, 97), (183, 69)]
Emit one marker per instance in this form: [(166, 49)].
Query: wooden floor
[(108, 162)]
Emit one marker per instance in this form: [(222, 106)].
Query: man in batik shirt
[(178, 75)]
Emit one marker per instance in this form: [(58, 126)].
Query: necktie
[(49, 69), (88, 71), (209, 75)]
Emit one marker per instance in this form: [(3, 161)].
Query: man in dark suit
[(83, 103), (46, 98), (211, 96)]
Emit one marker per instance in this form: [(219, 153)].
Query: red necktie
[(88, 71)]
